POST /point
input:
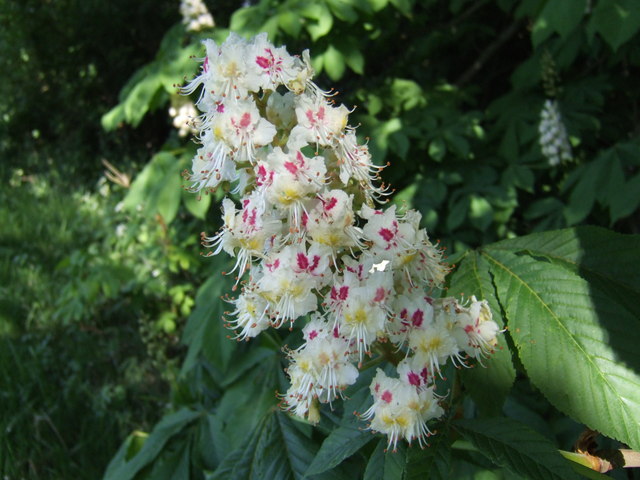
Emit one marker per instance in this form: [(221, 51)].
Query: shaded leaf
[(276, 450), (204, 333), (616, 20), (410, 462), (123, 469), (341, 443), (510, 444)]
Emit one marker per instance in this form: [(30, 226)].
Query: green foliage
[(449, 94), (523, 451), (450, 97), (576, 333), (63, 64), (89, 331)]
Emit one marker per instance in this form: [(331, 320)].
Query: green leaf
[(246, 402), (321, 17), (290, 22), (383, 465), (276, 450), (343, 10), (377, 5), (158, 187), (173, 462), (437, 149), (204, 333), (519, 176), (113, 118), (341, 443), (458, 212), (480, 212), (244, 360), (583, 195), (576, 334), (626, 201), (404, 6), (510, 444), (352, 55), (588, 250), (616, 20), (490, 383), (333, 63), (170, 425), (410, 462), (562, 17), (196, 204), (139, 101)]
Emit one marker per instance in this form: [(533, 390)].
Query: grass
[(70, 390)]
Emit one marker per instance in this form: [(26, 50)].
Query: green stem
[(271, 341), (372, 363)]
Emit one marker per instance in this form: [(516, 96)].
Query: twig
[(116, 176), (503, 38), (467, 13)]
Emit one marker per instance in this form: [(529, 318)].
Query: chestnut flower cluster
[(554, 140), (312, 245)]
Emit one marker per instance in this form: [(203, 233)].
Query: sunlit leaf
[(576, 334)]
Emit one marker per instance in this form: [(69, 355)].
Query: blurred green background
[(99, 244)]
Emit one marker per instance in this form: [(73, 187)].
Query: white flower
[(400, 410), (295, 180), (432, 346), (268, 66), (358, 278), (554, 140), (399, 240), (212, 164), (242, 128), (280, 110), (318, 121), (474, 329), (331, 221), (247, 234), (251, 314), (320, 369), (195, 15)]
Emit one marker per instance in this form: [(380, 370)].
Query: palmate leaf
[(596, 252), (410, 462), (341, 443), (488, 384), (513, 445), (571, 303), (158, 187), (204, 333), (276, 450), (123, 468)]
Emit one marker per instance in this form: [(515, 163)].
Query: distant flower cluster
[(312, 246), (195, 15), (184, 115), (554, 140)]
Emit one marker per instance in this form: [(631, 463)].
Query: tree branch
[(503, 38)]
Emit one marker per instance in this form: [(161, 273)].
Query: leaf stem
[(605, 460)]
